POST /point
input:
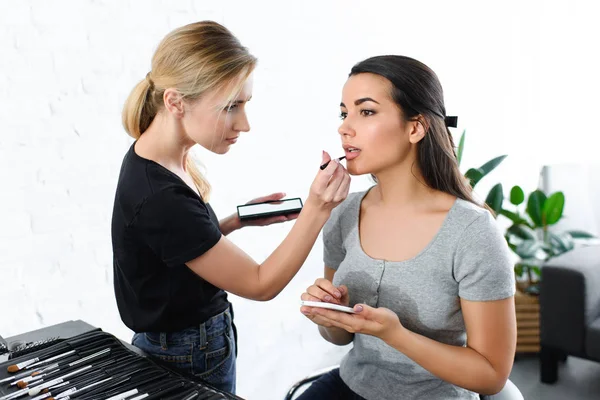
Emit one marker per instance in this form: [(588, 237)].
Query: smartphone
[(269, 209), (329, 306)]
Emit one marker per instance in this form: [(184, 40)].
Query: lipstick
[(327, 163)]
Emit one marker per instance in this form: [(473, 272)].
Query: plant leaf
[(535, 204), (580, 235), (461, 147), (513, 217), (517, 196), (518, 270), (490, 165), (513, 247), (553, 208), (474, 175), (528, 248), (521, 231), (561, 243), (495, 197)]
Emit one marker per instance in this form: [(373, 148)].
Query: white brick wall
[(516, 76)]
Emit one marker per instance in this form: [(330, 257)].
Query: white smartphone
[(330, 306)]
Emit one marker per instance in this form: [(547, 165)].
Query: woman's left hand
[(268, 220), (380, 322)]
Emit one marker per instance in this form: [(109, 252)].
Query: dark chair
[(569, 309), (510, 391)]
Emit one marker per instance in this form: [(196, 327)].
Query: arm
[(226, 266), (230, 268), (229, 224), (485, 364), (323, 288)]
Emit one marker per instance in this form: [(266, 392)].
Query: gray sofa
[(569, 309)]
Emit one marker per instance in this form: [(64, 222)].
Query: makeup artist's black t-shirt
[(159, 223)]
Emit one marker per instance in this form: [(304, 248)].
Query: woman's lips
[(351, 154)]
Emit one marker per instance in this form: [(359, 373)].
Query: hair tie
[(150, 82), (451, 122)]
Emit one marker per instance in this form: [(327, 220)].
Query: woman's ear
[(418, 129), (173, 102)]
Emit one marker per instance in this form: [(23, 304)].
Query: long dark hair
[(416, 89)]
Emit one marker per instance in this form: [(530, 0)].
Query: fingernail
[(337, 294), (327, 298), (358, 308)]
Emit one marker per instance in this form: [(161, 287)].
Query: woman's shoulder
[(349, 206), (471, 212), (345, 215), (474, 219)]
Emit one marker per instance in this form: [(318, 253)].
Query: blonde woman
[(172, 261)]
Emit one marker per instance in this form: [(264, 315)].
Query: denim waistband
[(201, 334)]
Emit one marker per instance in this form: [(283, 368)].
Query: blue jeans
[(206, 351), (329, 387)]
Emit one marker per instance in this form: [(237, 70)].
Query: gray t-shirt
[(468, 258)]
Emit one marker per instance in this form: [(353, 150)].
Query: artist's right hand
[(324, 290), (330, 186)]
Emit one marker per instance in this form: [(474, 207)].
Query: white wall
[(522, 76)]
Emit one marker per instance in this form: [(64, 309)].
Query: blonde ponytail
[(139, 110)]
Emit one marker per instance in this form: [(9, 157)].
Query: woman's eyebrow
[(360, 101)]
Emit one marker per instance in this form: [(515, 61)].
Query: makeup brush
[(69, 387), (36, 361), (137, 380), (23, 383), (35, 371), (159, 391), (29, 373), (72, 390), (56, 353), (327, 163), (93, 392), (37, 389), (193, 394), (34, 380), (123, 381), (144, 387)]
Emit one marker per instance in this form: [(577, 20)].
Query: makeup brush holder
[(97, 365)]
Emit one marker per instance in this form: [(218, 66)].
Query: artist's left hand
[(269, 220), (380, 322)]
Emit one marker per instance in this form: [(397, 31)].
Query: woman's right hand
[(323, 290), (330, 186)]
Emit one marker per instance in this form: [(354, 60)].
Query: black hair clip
[(451, 122)]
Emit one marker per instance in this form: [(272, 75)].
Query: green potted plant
[(529, 235), (476, 174)]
